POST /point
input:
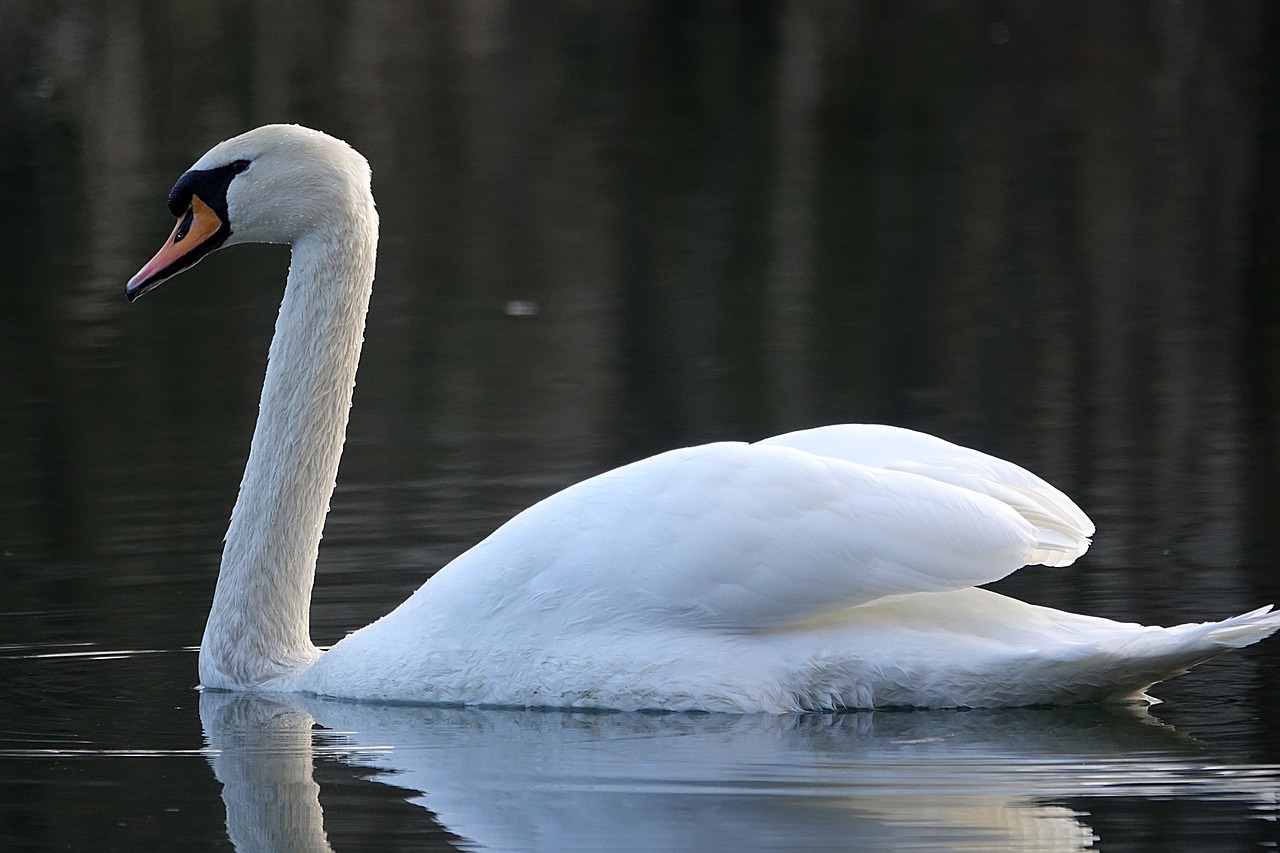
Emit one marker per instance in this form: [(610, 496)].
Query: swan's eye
[(184, 227), (239, 166)]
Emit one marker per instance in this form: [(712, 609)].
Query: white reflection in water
[(545, 780)]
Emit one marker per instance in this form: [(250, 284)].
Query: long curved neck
[(259, 625)]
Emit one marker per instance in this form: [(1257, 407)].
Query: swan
[(831, 568)]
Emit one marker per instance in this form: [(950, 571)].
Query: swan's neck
[(259, 626)]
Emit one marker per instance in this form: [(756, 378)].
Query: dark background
[(1045, 230)]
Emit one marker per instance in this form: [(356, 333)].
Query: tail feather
[(1125, 669), (1239, 631)]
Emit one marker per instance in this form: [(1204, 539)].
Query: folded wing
[(761, 536), (1063, 528)]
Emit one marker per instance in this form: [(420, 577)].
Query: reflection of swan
[(552, 780), (828, 568), (261, 753)]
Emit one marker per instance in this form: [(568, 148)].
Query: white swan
[(830, 568)]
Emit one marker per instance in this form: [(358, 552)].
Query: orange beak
[(197, 233)]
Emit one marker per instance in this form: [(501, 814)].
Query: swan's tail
[(976, 648), (1161, 654), (1234, 633)]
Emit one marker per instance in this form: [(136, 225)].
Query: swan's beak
[(199, 231)]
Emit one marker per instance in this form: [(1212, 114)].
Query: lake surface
[(609, 230)]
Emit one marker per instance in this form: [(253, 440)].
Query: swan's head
[(273, 184)]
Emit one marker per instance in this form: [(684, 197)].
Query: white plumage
[(828, 568)]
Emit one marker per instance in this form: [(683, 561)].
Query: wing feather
[(1064, 529)]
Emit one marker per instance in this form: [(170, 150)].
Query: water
[(608, 232), (128, 769)]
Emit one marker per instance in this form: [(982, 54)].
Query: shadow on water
[(548, 780)]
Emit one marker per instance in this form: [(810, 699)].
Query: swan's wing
[(740, 536), (1064, 527)]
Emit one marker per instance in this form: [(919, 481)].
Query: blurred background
[(1045, 230)]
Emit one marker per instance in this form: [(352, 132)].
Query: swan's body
[(830, 568)]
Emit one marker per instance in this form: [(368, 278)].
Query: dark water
[(1048, 231)]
